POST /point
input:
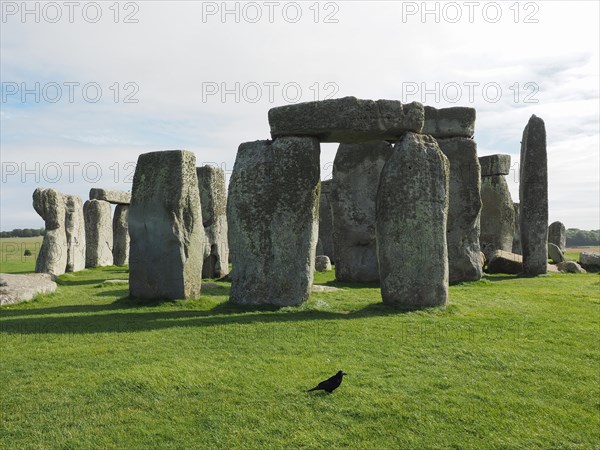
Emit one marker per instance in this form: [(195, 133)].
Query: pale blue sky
[(178, 51)]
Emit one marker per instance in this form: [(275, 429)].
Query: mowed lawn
[(510, 363)]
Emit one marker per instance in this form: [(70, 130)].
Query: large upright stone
[(464, 209), (325, 241), (50, 205), (412, 210), (516, 246), (213, 200), (347, 120), (497, 216), (272, 211), (533, 195), (75, 229), (457, 121), (120, 235), (356, 172), (98, 233), (115, 197), (557, 235), (165, 227)]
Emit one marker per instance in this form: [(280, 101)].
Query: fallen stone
[(116, 282), (322, 263), (505, 262), (555, 254), (21, 288), (53, 255), (272, 213), (120, 235), (165, 227), (464, 209), (590, 261), (412, 211), (557, 234), (206, 285), (552, 268), (213, 201), (570, 267), (533, 195), (75, 231), (494, 165), (356, 172), (115, 197), (347, 120), (457, 121), (325, 241), (497, 216), (98, 233), (321, 288)]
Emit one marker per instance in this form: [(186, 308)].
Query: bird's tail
[(313, 389)]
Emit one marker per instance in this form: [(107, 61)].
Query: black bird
[(330, 384)]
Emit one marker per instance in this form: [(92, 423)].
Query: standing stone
[(464, 209), (165, 227), (50, 205), (497, 216), (412, 210), (273, 213), (557, 234), (325, 242), (75, 229), (555, 253), (516, 247), (213, 201), (120, 235), (356, 172), (322, 263), (533, 195), (98, 233)]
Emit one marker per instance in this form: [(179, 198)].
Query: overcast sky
[(87, 87)]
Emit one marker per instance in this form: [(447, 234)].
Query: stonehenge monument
[(120, 235), (75, 232), (213, 202), (557, 235), (412, 210), (98, 233), (272, 213), (50, 205), (497, 209), (356, 172), (533, 197), (165, 227), (458, 121), (325, 240)]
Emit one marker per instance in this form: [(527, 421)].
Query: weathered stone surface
[(325, 241), (557, 234), (516, 246), (213, 200), (322, 263), (21, 288), (497, 216), (98, 233), (347, 120), (75, 231), (457, 121), (412, 210), (464, 209), (52, 257), (590, 261), (165, 227), (116, 197), (505, 262), (356, 172), (120, 235), (272, 212), (494, 165), (555, 254), (533, 195), (570, 267)]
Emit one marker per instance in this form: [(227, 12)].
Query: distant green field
[(12, 259)]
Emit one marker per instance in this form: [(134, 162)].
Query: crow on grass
[(330, 384)]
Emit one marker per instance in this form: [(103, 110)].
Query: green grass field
[(510, 363), (12, 259)]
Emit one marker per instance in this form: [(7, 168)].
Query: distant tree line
[(579, 238), (25, 232)]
